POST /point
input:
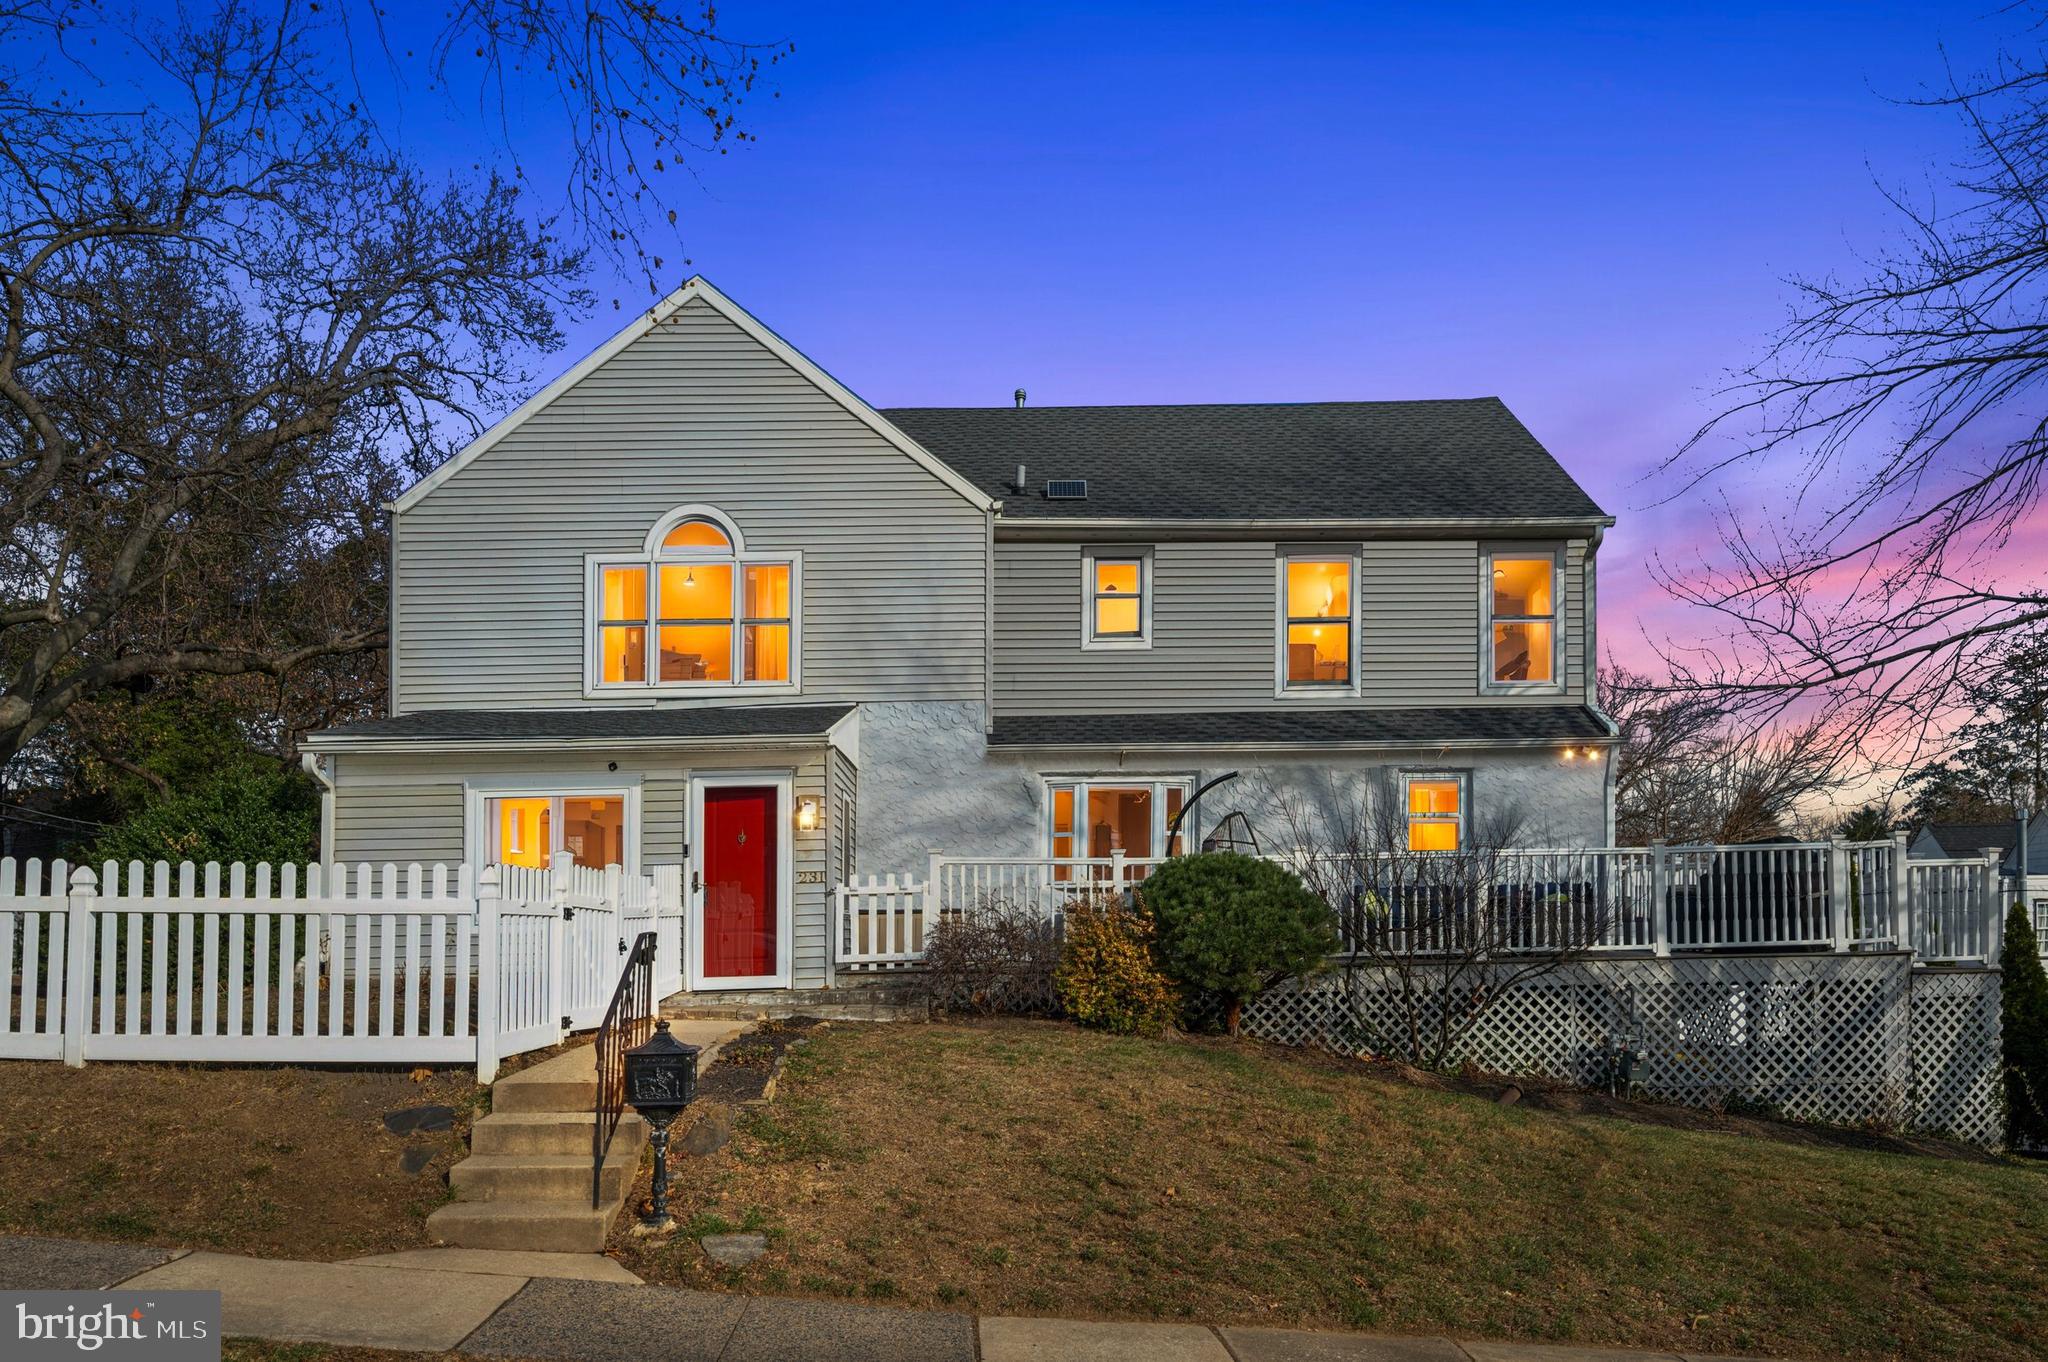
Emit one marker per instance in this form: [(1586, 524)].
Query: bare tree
[(1904, 410), (1445, 935), (1688, 771), (228, 322)]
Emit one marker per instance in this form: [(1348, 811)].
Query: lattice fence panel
[(1956, 1054), (1818, 1038)]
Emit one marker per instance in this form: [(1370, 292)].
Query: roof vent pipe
[(1019, 395), (1020, 484)]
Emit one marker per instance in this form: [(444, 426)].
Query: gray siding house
[(697, 604)]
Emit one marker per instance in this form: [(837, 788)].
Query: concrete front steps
[(527, 1184)]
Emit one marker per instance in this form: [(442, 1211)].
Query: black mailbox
[(661, 1075), (661, 1078)]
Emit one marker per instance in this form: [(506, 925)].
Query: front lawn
[(278, 1162), (1034, 1168)]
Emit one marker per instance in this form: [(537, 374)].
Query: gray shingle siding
[(1443, 459)]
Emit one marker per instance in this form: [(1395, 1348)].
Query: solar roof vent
[(1066, 489)]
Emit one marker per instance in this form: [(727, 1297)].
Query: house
[(696, 604), (1957, 841)]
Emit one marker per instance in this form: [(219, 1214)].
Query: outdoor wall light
[(807, 815), (661, 1079)]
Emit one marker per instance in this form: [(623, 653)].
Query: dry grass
[(280, 1162), (1034, 1168)]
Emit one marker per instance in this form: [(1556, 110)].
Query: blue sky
[(1587, 210)]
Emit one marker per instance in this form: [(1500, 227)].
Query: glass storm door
[(739, 859)]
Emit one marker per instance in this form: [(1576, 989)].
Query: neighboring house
[(697, 604), (1936, 841)]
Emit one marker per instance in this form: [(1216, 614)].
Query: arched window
[(694, 610)]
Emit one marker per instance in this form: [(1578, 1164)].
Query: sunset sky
[(1590, 211)]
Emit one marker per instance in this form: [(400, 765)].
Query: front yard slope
[(1035, 1168)]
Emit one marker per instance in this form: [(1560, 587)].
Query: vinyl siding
[(1213, 621), (490, 580), (405, 807)]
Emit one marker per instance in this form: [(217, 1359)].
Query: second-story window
[(696, 610), (1520, 642), (1316, 626), (1117, 609)]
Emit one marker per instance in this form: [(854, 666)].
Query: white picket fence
[(318, 964), (1658, 900)]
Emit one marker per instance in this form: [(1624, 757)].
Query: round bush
[(1235, 925), (1107, 978)]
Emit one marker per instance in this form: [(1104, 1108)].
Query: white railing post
[(561, 872), (487, 893), (1841, 903), (1660, 899), (934, 864), (1994, 906), (77, 966), (1116, 869), (1902, 897)]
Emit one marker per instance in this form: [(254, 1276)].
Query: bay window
[(1519, 633), (696, 610)]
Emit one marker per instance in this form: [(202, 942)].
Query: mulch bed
[(748, 1063)]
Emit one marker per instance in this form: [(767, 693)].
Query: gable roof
[(1967, 841), (697, 289), (1441, 459)]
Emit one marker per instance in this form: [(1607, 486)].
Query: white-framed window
[(1091, 817), (1318, 623), (1434, 805), (1116, 598), (1520, 639), (694, 611), (524, 822)]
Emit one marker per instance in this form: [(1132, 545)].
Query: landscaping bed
[(272, 1161), (1030, 1167)]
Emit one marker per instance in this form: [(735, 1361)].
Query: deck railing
[(1656, 900)]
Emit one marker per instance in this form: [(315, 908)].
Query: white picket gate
[(317, 964)]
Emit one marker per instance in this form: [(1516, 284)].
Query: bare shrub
[(991, 957)]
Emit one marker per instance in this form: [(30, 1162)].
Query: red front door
[(739, 865)]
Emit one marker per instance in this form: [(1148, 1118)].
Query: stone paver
[(1013, 1339), (1297, 1345), (28, 1263), (588, 1267), (343, 1303), (779, 1330), (607, 1322), (1544, 1352)]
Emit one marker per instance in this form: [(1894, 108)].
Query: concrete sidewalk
[(543, 1306)]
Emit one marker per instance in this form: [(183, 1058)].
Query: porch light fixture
[(807, 815), (661, 1080)]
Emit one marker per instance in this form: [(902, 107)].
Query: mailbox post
[(661, 1079)]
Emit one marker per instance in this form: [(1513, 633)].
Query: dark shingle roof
[(482, 725), (1440, 459), (1307, 727), (1972, 839)]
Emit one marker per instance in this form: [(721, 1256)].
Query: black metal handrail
[(627, 1022)]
